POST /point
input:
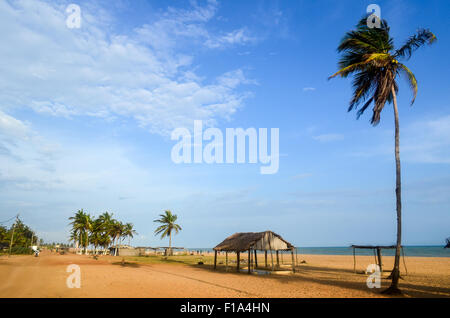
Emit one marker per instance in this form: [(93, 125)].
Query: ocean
[(420, 251)]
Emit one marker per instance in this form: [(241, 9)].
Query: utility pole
[(12, 235)]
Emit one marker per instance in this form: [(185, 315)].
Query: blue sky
[(86, 116)]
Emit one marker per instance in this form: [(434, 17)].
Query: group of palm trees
[(103, 231)]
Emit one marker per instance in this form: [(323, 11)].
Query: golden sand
[(320, 276)]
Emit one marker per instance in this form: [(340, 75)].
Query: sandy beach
[(320, 276)]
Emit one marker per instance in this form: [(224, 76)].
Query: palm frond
[(377, 59), (422, 37), (411, 80)]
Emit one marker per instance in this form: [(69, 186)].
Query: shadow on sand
[(343, 278)]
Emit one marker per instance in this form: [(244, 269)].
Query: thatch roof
[(239, 242)]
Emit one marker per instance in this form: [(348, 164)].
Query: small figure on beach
[(35, 251)]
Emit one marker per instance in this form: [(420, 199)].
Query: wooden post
[(293, 261), (265, 257), (271, 255), (226, 261), (375, 256), (215, 259), (238, 260), (278, 258), (249, 260), (380, 263), (354, 261), (256, 260)]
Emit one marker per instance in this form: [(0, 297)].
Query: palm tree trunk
[(117, 243), (398, 191), (170, 244)]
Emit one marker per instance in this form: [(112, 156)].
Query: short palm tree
[(369, 55), (168, 225)]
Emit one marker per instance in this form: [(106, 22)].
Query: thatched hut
[(267, 241)]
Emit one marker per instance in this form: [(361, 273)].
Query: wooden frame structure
[(267, 241), (377, 254)]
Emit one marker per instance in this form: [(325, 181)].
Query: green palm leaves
[(81, 226), (102, 231), (168, 225), (369, 55)]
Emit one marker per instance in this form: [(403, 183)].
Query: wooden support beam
[(249, 260), (265, 257), (278, 258), (238, 260), (271, 255), (380, 263), (226, 261), (256, 260), (215, 259), (354, 261), (293, 260)]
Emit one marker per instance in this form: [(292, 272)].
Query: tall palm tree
[(129, 232), (78, 227), (96, 234), (106, 221), (369, 55), (81, 226), (117, 229), (168, 225)]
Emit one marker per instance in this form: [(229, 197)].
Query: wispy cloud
[(90, 71), (309, 89), (239, 37)]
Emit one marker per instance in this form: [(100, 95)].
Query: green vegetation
[(369, 55), (103, 231), (23, 238), (175, 259), (168, 225)]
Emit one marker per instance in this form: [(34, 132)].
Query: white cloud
[(240, 36), (328, 137), (307, 89), (12, 128), (144, 75)]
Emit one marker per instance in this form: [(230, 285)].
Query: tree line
[(101, 232), (22, 238)]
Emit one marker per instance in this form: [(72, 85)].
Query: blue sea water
[(420, 251)]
